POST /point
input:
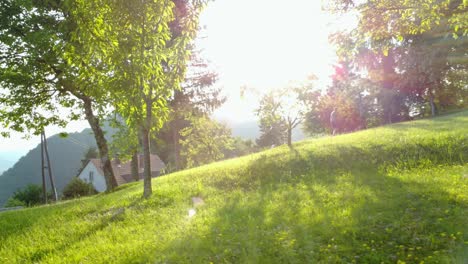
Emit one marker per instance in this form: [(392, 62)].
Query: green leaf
[(385, 51)]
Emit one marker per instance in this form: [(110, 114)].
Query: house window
[(91, 176)]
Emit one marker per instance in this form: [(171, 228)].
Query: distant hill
[(65, 153), (245, 130)]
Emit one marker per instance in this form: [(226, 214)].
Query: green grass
[(394, 194)]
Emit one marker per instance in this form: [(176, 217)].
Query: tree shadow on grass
[(18, 222), (441, 123), (305, 210), (14, 223), (96, 216), (97, 226), (292, 164), (105, 216)]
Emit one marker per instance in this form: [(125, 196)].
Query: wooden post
[(44, 187), (49, 168)]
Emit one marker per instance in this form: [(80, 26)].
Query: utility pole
[(44, 187), (49, 168)]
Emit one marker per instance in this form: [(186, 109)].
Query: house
[(92, 171)]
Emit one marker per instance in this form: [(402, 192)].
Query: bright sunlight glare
[(261, 44), (264, 44)]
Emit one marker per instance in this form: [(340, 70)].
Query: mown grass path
[(395, 194)]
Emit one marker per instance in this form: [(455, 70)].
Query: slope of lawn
[(395, 194)]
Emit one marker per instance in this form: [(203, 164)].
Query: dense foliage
[(31, 195), (92, 57), (148, 62), (198, 97), (282, 110), (44, 75), (240, 147), (205, 141), (78, 188), (404, 60)]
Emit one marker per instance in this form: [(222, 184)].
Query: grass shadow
[(327, 222), (336, 206)]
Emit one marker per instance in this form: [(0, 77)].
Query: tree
[(426, 65), (240, 147), (42, 69), (31, 195), (385, 19), (205, 141), (409, 49), (150, 62), (354, 98), (78, 188), (28, 96), (272, 125), (281, 111), (347, 116), (126, 144), (197, 97)]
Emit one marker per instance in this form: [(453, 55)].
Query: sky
[(261, 44), (264, 44)]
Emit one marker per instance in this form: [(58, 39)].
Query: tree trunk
[(101, 142), (147, 189), (390, 111), (362, 122), (134, 166), (175, 141), (388, 64), (433, 108), (290, 136)]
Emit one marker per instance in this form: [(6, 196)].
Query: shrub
[(30, 196), (13, 202), (77, 188)]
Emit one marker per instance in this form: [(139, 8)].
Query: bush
[(30, 196), (78, 188), (13, 202)]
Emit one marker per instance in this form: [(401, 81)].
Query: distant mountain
[(251, 130), (65, 154), (245, 130)]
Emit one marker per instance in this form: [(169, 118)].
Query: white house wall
[(99, 182)]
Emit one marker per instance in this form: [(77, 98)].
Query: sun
[(265, 44)]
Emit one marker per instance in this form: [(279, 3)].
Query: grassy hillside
[(395, 194)]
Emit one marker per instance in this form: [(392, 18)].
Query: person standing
[(333, 121)]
